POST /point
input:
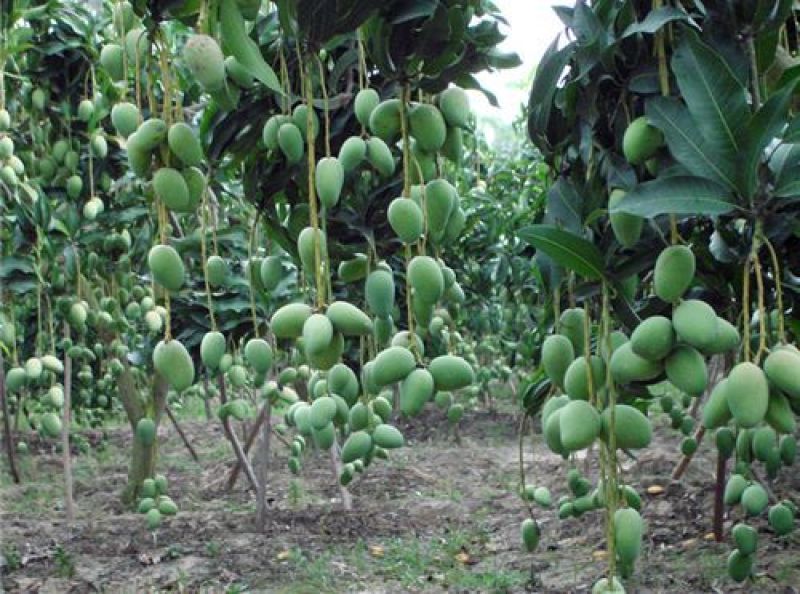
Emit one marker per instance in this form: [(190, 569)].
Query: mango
[(146, 431), (727, 338), (454, 105), (307, 242), (740, 566), (403, 339), (392, 365), (451, 372), (626, 366), (206, 62), (357, 445), (632, 428), (217, 270), (348, 319), (716, 411), (627, 227), (764, 441), (329, 176), (50, 424), (329, 356), (166, 267), (258, 354), (571, 325), (781, 519), (173, 362), (290, 141), (628, 529), (153, 519), (364, 104), (579, 424), (641, 141), (780, 414), (238, 73), (423, 164), (552, 432), (212, 348), (323, 409), (317, 334), (425, 277), (406, 219), (747, 393), (674, 272), (184, 144), (653, 338), (440, 202), (787, 448), (380, 156), (300, 119), (602, 586), (387, 437), (111, 61), (271, 272), (557, 355), (427, 127), (171, 188), (269, 133), (352, 153), (288, 321), (551, 405), (529, 531), (782, 367), (384, 121), (695, 323), (416, 390), (453, 147), (167, 507), (754, 499), (354, 269), (745, 538), (686, 370), (379, 290)]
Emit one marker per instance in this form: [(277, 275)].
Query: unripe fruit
[(290, 142), (716, 411), (380, 292), (747, 394), (781, 519), (626, 366), (641, 141), (406, 219), (307, 242), (653, 338), (380, 156), (85, 110), (686, 369), (384, 121), (579, 425), (628, 528), (356, 446), (530, 534), (352, 153), (329, 177), (348, 319), (745, 538), (451, 372), (780, 414), (557, 355), (427, 127), (99, 146), (173, 362), (205, 61), (415, 390), (425, 277), (387, 437), (170, 187), (184, 144), (238, 73), (632, 429), (258, 354), (695, 323), (317, 334), (365, 102), (440, 202), (270, 132), (137, 47), (627, 227), (217, 270), (754, 499), (674, 272), (271, 272), (454, 105), (288, 321), (782, 367), (300, 119), (74, 186), (51, 424), (571, 325), (146, 431), (111, 61), (453, 148), (740, 566), (727, 338), (166, 267), (392, 365)]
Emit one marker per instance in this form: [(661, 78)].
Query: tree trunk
[(69, 503), (262, 415), (9, 441), (143, 457), (262, 466), (719, 492)]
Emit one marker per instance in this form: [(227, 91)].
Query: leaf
[(766, 125), (788, 183), (655, 20), (544, 89), (792, 133), (564, 206), (716, 99), (566, 249), (687, 146), (676, 195)]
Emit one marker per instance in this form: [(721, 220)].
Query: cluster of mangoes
[(154, 502), (11, 166)]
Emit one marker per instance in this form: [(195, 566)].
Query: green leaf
[(544, 89), (792, 133), (766, 125), (655, 20), (564, 206), (677, 195), (687, 146), (566, 249)]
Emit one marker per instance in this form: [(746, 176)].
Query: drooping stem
[(776, 273), (69, 504), (204, 256), (251, 246)]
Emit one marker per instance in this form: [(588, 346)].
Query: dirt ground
[(438, 516)]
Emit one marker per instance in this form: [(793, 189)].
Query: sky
[(533, 26)]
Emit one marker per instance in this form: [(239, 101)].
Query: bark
[(8, 437), (336, 466), (185, 439), (69, 503), (262, 465), (251, 438), (143, 457), (235, 443), (719, 491)]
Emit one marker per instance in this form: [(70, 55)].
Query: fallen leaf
[(376, 550), (599, 555), (463, 558), (708, 536), (283, 555), (689, 543), (655, 490)]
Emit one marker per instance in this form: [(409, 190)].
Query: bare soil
[(438, 516)]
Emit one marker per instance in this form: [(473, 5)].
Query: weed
[(12, 557), (65, 566)]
